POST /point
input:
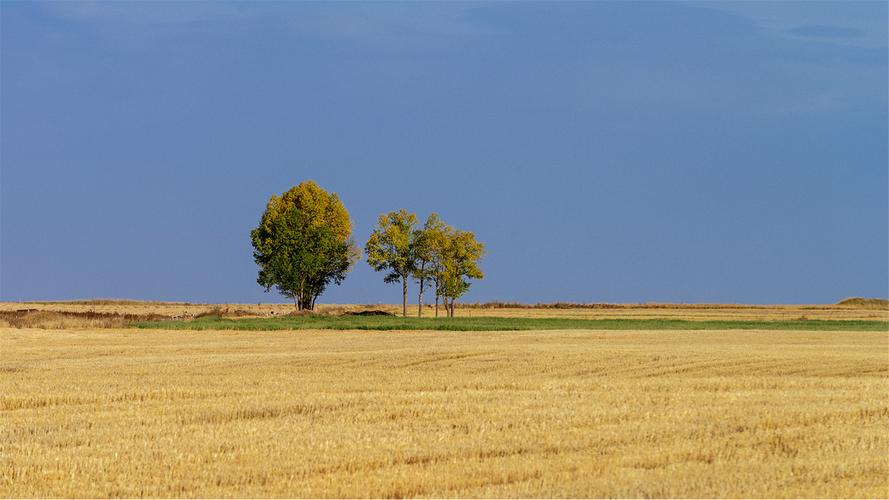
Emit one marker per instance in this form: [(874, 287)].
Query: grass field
[(589, 413), (484, 324)]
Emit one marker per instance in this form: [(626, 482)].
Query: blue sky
[(603, 151)]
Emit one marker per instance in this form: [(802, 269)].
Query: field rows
[(556, 413)]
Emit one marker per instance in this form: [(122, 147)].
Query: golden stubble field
[(96, 413)]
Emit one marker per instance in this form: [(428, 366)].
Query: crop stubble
[(556, 413)]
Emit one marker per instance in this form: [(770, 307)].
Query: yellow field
[(389, 414), (635, 311)]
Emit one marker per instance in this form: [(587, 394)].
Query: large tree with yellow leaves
[(303, 243)]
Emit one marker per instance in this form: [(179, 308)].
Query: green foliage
[(390, 248), (478, 324), (303, 243), (459, 256), (427, 244), (434, 254)]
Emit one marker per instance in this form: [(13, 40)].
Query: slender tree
[(438, 238), (459, 263), (390, 248), (303, 243), (426, 242)]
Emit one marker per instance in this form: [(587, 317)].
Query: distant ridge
[(864, 302), (107, 302)]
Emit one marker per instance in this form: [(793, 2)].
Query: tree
[(459, 262), (441, 258), (426, 244), (303, 243), (390, 248)]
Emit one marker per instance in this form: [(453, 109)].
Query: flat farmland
[(727, 312), (584, 413)]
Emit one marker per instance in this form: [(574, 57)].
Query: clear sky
[(604, 152)]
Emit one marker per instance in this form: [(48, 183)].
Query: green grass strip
[(480, 324)]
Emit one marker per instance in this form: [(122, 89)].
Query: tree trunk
[(420, 301), (453, 303), (404, 295), (436, 302)]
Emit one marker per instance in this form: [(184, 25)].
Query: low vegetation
[(126, 413), (387, 322), (853, 302), (112, 302), (60, 320)]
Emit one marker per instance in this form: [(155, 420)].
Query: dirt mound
[(298, 313), (224, 312), (374, 312), (864, 302), (339, 312)]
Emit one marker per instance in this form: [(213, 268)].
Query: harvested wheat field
[(123, 412)]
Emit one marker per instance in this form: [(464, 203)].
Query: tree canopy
[(427, 242), (303, 243), (458, 263), (435, 254), (390, 248)]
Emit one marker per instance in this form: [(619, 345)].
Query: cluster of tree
[(304, 243), (435, 255)]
